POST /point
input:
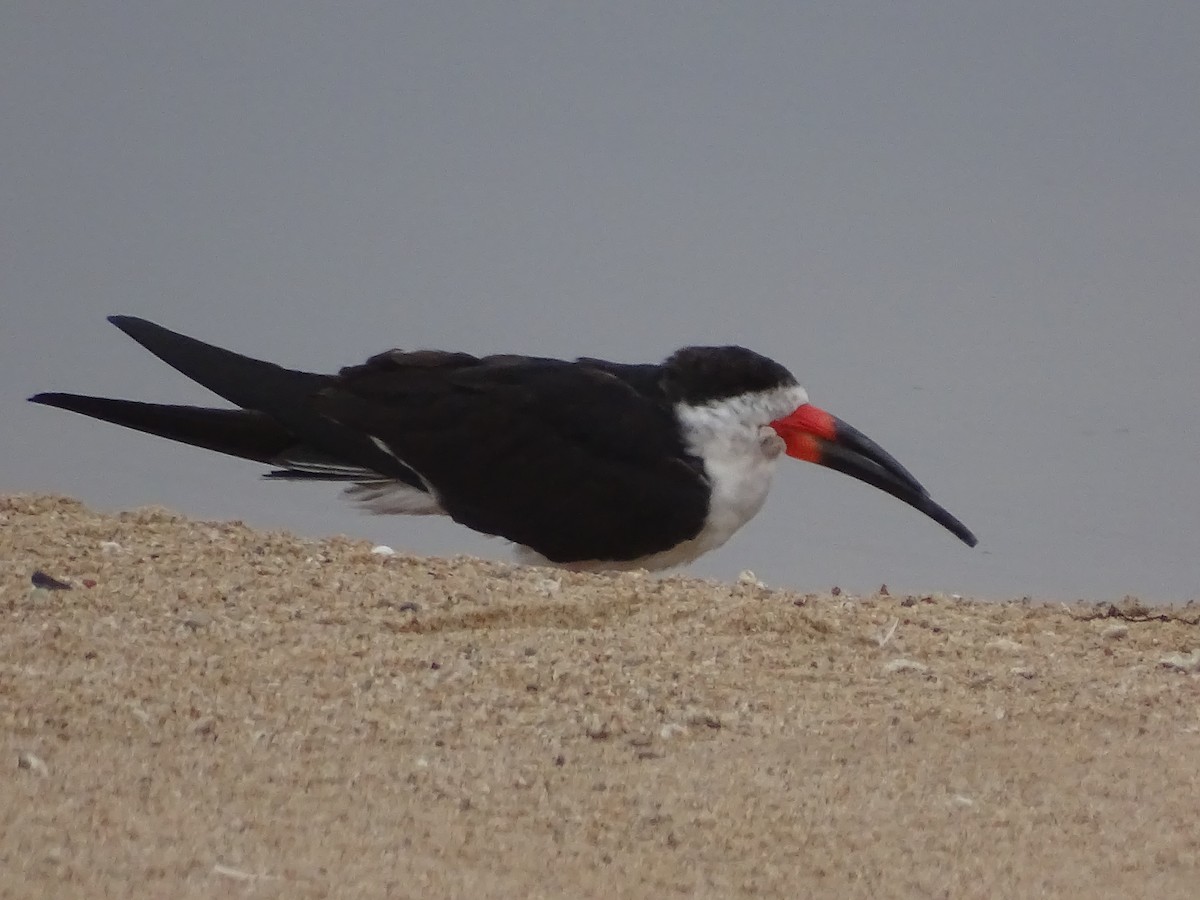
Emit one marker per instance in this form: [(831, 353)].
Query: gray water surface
[(974, 233)]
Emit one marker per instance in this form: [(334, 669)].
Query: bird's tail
[(238, 432), (277, 422), (250, 383)]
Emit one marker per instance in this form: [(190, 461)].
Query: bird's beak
[(816, 436)]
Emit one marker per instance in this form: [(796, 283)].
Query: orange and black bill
[(813, 435)]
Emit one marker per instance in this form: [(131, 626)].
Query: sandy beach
[(214, 711)]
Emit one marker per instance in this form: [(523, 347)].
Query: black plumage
[(504, 442)]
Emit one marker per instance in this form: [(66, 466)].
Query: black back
[(578, 461)]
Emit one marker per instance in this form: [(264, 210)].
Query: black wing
[(578, 461)]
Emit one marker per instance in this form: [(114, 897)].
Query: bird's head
[(716, 385)]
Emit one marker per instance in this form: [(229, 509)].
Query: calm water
[(973, 237)]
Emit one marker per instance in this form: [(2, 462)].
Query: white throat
[(739, 448)]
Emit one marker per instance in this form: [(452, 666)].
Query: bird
[(588, 464)]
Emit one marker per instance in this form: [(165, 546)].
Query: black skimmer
[(589, 464)]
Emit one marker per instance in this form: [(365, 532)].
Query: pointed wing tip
[(130, 324), (59, 400)]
